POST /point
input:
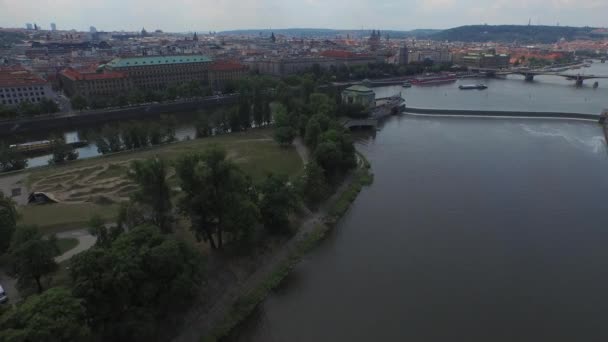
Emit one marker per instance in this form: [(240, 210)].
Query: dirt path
[(85, 241), (302, 150), (197, 324)]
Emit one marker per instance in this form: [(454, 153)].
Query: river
[(475, 229)]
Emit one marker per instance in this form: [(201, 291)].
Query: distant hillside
[(512, 33), (330, 33)]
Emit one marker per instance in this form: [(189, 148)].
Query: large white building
[(19, 85)]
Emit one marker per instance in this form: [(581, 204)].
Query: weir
[(516, 114)]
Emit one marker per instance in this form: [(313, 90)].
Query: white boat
[(407, 84)]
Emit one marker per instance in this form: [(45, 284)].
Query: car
[(3, 297)]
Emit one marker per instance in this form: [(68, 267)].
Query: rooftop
[(156, 60), (18, 76), (88, 75), (226, 66)]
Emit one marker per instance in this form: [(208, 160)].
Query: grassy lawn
[(96, 185), (60, 216), (66, 244), (254, 150)]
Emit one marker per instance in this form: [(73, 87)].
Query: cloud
[(188, 15)]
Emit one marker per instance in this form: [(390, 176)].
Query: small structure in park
[(41, 198), (359, 94)]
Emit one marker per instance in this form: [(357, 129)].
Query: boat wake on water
[(593, 143)]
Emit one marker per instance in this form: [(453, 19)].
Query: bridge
[(529, 74)]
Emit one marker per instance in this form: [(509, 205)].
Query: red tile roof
[(226, 66), (90, 74), (18, 76)]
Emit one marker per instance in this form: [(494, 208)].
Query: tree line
[(28, 109)]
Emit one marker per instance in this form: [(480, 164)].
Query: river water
[(475, 229)]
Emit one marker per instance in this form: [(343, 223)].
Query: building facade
[(222, 72), (482, 60), (359, 94), (94, 83), (434, 55), (19, 85), (157, 72)]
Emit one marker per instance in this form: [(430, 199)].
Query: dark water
[(474, 230)]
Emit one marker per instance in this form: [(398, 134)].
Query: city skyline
[(188, 15)]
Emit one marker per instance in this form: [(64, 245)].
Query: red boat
[(434, 79)]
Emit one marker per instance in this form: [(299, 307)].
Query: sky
[(219, 15)]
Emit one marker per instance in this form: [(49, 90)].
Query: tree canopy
[(54, 316)]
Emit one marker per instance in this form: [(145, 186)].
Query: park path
[(302, 150), (85, 241)]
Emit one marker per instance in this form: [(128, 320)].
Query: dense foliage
[(511, 33), (54, 316), (141, 278)]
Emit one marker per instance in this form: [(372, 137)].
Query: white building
[(19, 85)]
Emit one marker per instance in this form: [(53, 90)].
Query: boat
[(472, 86), (434, 79), (407, 84), (42, 146)]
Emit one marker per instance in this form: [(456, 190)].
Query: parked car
[(3, 297)]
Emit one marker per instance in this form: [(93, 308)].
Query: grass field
[(61, 216), (96, 186)]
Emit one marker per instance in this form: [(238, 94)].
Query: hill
[(329, 33), (512, 33)]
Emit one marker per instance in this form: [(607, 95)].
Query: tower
[(53, 27), (403, 55), (195, 37)]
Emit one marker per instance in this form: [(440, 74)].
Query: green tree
[(169, 123), (48, 106), (312, 185), (62, 151), (11, 159), (142, 279), (313, 130), (153, 190), (202, 126), (278, 200), (155, 135), (78, 102), (54, 316), (258, 107), (321, 104), (104, 235), (8, 221), (33, 255), (217, 196), (284, 136), (244, 113)]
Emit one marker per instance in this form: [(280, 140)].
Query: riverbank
[(238, 302)]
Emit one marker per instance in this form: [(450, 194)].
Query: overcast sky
[(203, 15)]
